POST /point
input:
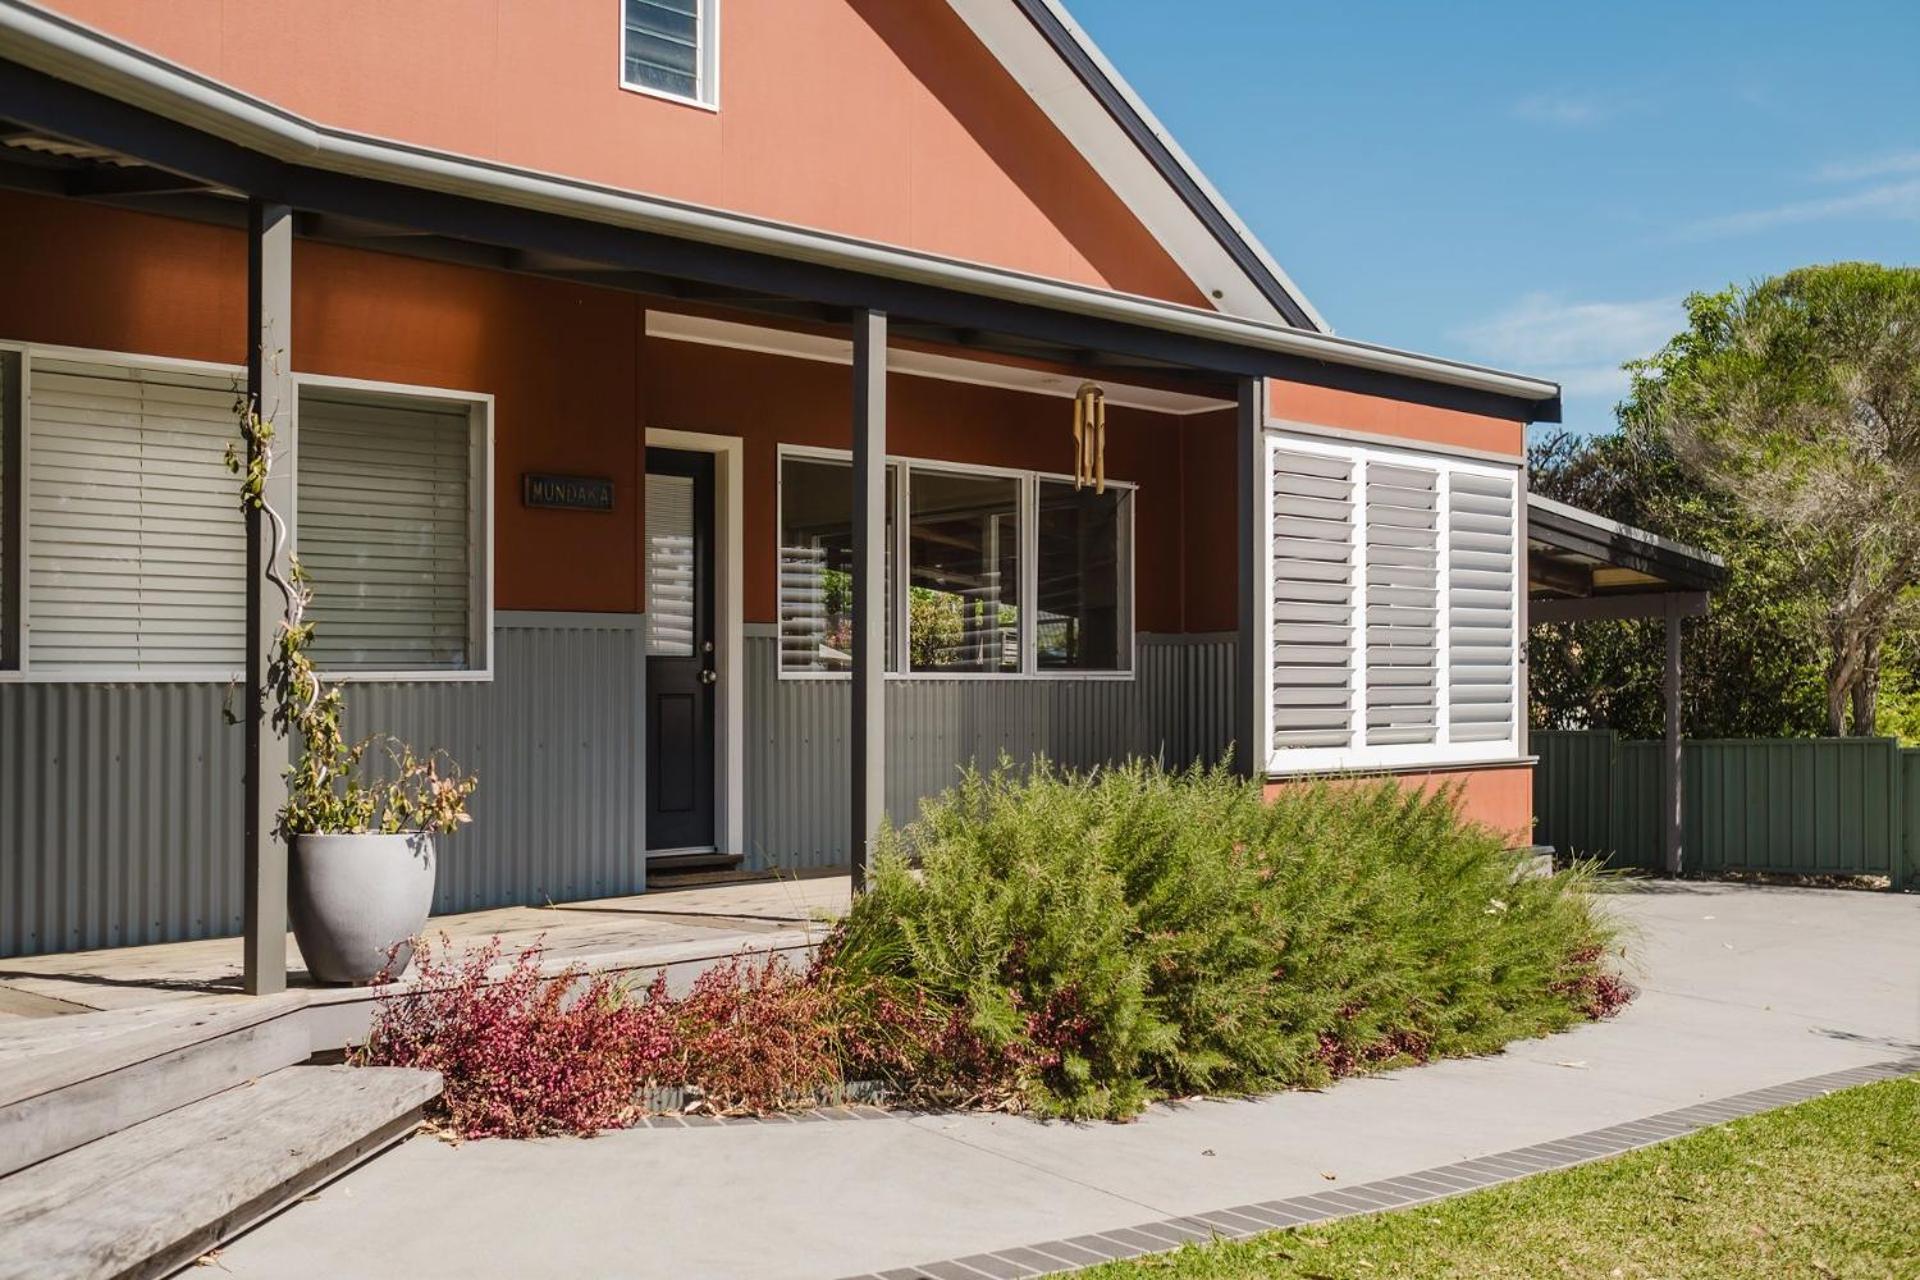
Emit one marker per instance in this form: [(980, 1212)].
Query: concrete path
[(1743, 989)]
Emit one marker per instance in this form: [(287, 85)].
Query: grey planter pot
[(353, 898)]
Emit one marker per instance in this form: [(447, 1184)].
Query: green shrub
[(1095, 941)]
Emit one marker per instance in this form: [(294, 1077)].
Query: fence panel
[(1810, 806)]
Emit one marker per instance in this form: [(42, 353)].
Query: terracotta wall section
[(560, 360), (878, 119), (770, 400), (1401, 419), (1499, 798)]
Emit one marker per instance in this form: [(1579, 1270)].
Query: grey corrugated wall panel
[(120, 804), (1178, 708)]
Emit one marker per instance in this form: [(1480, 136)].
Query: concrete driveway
[(1743, 988)]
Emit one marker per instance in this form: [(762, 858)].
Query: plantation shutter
[(1313, 599), (1482, 603), (138, 555), (1403, 604), (385, 522)]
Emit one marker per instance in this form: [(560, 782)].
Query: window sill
[(677, 99)]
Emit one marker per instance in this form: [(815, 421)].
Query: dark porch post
[(869, 586), (1249, 757), (1675, 761), (270, 391)]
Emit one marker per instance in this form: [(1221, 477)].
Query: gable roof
[(1088, 100)]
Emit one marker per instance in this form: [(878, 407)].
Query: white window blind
[(1481, 607), (385, 524), (1395, 601), (9, 407), (1403, 604), (1314, 630), (138, 554), (670, 565)]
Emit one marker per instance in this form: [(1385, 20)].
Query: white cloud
[(1580, 345), (1562, 109), (1895, 201), (1881, 167)]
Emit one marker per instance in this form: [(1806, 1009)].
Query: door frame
[(729, 739)]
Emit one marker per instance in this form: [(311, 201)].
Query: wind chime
[(1090, 437)]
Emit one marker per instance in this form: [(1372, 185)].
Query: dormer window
[(670, 48)]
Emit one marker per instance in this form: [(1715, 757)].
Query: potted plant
[(361, 873)]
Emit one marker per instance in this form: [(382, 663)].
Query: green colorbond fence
[(1802, 806)]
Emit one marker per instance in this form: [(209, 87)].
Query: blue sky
[(1538, 185)]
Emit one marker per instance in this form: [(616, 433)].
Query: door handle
[(709, 677)]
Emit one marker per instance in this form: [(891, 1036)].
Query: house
[(678, 401)]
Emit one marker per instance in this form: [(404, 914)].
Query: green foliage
[(328, 790), (1750, 668), (1796, 400), (1134, 933)]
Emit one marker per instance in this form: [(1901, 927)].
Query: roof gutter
[(79, 55)]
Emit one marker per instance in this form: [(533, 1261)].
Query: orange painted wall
[(1449, 428), (560, 360), (874, 118), (769, 400), (1499, 798), (575, 385)]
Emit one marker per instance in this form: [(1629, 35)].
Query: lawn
[(1825, 1189)]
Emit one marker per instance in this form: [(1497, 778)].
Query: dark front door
[(680, 650)]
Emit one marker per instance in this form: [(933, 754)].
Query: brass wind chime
[(1090, 437)]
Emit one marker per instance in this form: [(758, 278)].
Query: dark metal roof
[(1576, 553)]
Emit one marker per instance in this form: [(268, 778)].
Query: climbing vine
[(327, 785)]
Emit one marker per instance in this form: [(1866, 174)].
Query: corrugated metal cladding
[(120, 804), (1178, 708)]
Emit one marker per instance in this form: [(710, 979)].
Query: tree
[(1799, 399), (1752, 665)]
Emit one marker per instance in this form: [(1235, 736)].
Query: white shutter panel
[(1313, 599), (1403, 604), (138, 555), (1482, 607), (384, 529)]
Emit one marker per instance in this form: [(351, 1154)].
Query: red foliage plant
[(522, 1052), (1594, 989), (752, 1037)]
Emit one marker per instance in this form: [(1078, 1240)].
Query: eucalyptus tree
[(1799, 399)]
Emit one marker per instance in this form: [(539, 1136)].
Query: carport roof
[(1576, 554)]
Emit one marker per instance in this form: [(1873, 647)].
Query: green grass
[(1829, 1188)]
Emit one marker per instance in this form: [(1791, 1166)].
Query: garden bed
[(1069, 945)]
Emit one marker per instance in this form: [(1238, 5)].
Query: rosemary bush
[(1129, 934)]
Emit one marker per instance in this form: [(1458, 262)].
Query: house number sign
[(566, 493)]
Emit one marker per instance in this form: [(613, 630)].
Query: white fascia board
[(1086, 124), (1193, 171), (79, 55)]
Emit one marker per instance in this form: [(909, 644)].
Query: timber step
[(151, 1198), (69, 1081)]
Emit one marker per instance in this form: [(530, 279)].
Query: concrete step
[(69, 1081), (150, 1199)]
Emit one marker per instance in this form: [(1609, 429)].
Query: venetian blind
[(1481, 604), (670, 565), (9, 392), (138, 555), (1403, 604), (1313, 599), (385, 520)]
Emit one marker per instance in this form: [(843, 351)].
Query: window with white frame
[(978, 543), (123, 546), (1394, 607), (671, 48), (389, 527)]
